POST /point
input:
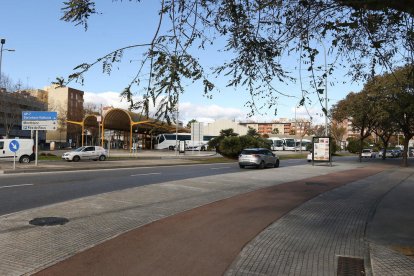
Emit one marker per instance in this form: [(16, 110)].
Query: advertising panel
[(321, 149)]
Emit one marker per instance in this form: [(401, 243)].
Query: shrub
[(232, 146)]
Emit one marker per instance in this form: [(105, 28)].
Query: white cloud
[(187, 110), (208, 113), (106, 99), (205, 113), (315, 114)]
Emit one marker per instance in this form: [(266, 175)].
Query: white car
[(309, 157), (259, 158), (368, 153), (85, 153)]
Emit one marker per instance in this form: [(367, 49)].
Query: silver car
[(88, 152), (258, 157)]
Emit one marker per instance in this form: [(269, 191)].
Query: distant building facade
[(11, 106), (280, 127), (283, 127), (214, 128), (68, 103)]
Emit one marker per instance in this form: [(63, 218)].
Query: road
[(24, 191)]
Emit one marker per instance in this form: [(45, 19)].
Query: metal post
[(37, 143), (326, 90), (176, 131), (1, 54), (296, 127)]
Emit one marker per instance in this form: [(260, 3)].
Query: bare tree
[(91, 108), (338, 132), (302, 128), (10, 111)]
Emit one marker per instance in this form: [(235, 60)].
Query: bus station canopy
[(124, 120)]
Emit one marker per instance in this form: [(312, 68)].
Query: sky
[(46, 48)]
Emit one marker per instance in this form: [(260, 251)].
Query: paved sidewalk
[(310, 239), (334, 222)]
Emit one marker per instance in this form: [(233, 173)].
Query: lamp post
[(3, 41), (326, 89)]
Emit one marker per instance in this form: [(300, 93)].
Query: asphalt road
[(29, 190), (24, 191)]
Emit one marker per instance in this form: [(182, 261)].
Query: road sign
[(39, 125), (39, 115), (14, 145), (39, 120)]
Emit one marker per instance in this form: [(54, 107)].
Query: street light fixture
[(3, 41)]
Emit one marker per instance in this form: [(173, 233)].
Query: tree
[(91, 109), (190, 122), (302, 128), (231, 146), (252, 132), (10, 111), (397, 90), (337, 132), (259, 35), (7, 83), (59, 82), (275, 131), (318, 130), (358, 108), (216, 141)]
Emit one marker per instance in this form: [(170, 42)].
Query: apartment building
[(68, 103), (282, 126), (11, 106)]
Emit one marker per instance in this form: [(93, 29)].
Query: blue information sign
[(14, 145), (39, 115)]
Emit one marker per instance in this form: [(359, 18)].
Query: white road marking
[(19, 185), (144, 174), (220, 168)]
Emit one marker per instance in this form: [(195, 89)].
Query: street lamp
[(3, 41), (326, 89)]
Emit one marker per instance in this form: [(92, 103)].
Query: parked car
[(397, 152), (85, 153), (309, 157), (388, 153), (258, 157), (368, 153)]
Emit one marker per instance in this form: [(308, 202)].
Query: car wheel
[(276, 165), (76, 158), (24, 159), (241, 166), (102, 158), (262, 165)]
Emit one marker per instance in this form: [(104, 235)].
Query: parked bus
[(289, 143), (168, 141), (277, 143), (304, 145)]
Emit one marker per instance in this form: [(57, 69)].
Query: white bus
[(289, 143), (304, 145), (168, 141), (277, 143)]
